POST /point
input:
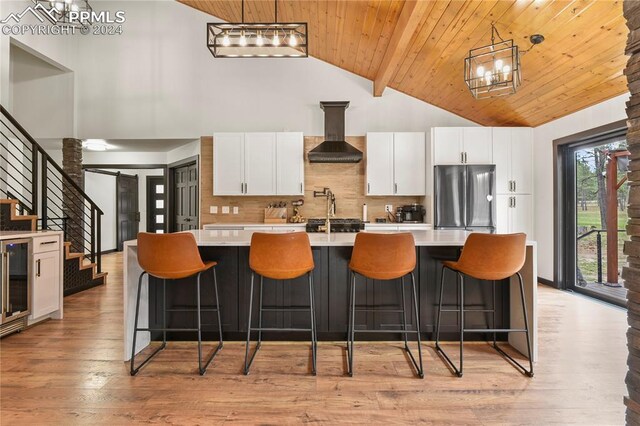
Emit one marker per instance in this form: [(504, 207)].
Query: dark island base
[(331, 290)]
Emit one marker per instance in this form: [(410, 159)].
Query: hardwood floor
[(71, 372)]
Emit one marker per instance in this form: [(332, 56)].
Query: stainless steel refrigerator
[(465, 197)]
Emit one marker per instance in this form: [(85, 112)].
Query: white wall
[(158, 79), (42, 95), (598, 115), (102, 190)]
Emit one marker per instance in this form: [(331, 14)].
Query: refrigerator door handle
[(514, 186)]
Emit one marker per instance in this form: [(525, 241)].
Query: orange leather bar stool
[(490, 257), (384, 257), (173, 257), (282, 256)]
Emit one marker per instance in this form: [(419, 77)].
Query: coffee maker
[(411, 213)]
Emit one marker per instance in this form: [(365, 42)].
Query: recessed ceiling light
[(95, 145)]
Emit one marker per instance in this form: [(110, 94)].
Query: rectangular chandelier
[(258, 40), (493, 70)]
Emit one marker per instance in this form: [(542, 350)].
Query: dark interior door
[(156, 204), (128, 216), (185, 198)]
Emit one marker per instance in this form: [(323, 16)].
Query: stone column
[(631, 273), (73, 202)]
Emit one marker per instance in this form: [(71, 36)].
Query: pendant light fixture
[(258, 40), (494, 70), (70, 13)]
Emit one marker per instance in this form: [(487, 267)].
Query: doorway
[(127, 216), (156, 204), (184, 188), (594, 212)]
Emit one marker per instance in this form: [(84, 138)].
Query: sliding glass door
[(595, 215)]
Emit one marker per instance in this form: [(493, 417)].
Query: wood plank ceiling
[(419, 49)]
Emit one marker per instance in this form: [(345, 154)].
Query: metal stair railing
[(29, 175)]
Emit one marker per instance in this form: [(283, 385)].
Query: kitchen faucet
[(331, 207)]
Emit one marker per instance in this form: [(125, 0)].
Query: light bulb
[(276, 39), (480, 71), (259, 39), (487, 77), (293, 41), (498, 64), (226, 42), (242, 41), (505, 71)]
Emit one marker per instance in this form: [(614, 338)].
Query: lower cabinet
[(515, 214), (46, 283)]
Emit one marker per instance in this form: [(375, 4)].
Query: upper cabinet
[(513, 157), (462, 145), (258, 163), (396, 163), (228, 164), (290, 163)]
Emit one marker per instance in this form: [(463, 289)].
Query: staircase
[(36, 194)]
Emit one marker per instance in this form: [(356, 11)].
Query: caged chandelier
[(258, 40), (494, 70), (75, 13)]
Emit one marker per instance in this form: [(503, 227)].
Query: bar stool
[(490, 257), (384, 257), (173, 257), (283, 256)]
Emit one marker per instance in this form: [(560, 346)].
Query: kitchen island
[(230, 248)]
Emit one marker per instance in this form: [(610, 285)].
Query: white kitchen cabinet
[(290, 163), (462, 145), (259, 163), (515, 214), (46, 283), (46, 273), (396, 163), (228, 164), (447, 145), (379, 157), (513, 157), (409, 163), (477, 146)]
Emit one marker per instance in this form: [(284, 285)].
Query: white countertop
[(7, 235), (248, 224), (243, 238)]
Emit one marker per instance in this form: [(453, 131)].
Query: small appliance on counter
[(337, 225), (411, 213)]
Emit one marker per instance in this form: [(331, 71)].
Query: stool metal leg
[(461, 324), (352, 315), (457, 371), (420, 370), (260, 314), (439, 309), (313, 324), (404, 314), (526, 327), (132, 369), (215, 287), (247, 361)]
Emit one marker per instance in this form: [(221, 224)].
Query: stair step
[(18, 217)]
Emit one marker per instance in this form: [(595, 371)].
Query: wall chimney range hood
[(334, 149)]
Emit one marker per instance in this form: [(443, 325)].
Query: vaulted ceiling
[(418, 48)]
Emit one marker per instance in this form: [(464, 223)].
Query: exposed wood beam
[(402, 34)]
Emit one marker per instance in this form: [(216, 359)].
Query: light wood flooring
[(71, 372)]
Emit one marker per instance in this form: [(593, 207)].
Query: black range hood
[(334, 149)]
